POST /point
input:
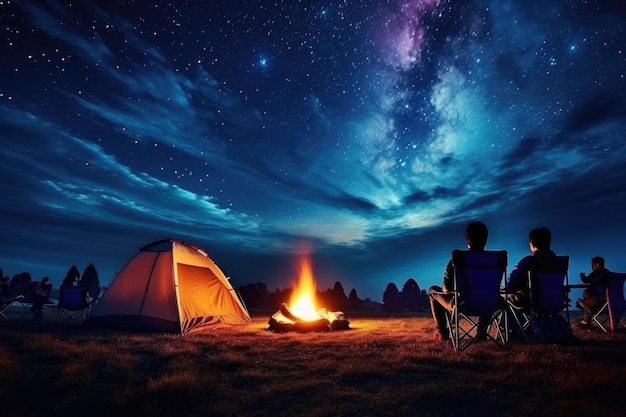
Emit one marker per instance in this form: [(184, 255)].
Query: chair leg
[(469, 333), (522, 327), (465, 337), (602, 313), (451, 329), (3, 307), (462, 330), (600, 323), (27, 310), (500, 319), (457, 334), (71, 316)]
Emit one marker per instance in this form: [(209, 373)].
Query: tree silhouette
[(423, 303), (71, 274), (339, 300), (392, 300), (21, 284), (91, 282), (411, 294), (354, 302), (255, 295), (4, 286), (278, 297)]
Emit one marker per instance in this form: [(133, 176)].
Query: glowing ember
[(302, 303)]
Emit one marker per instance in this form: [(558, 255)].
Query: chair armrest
[(571, 286), (505, 291)]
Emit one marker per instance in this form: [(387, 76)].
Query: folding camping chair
[(72, 305), (614, 306), (476, 292), (8, 302), (9, 296), (548, 284)]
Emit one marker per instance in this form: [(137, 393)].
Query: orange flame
[(302, 302)]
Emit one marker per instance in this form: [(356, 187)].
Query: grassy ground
[(382, 366)]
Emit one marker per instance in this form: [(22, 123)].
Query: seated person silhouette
[(594, 296), (476, 234), (539, 241), (40, 296)]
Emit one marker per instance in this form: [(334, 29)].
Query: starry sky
[(365, 133)]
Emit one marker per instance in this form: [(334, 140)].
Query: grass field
[(382, 366)]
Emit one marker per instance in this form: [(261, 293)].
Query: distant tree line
[(255, 295), (411, 298)]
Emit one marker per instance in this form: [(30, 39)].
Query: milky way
[(373, 130)]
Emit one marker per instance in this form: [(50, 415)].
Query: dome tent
[(169, 285)]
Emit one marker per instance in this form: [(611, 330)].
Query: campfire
[(300, 313)]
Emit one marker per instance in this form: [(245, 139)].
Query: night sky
[(370, 132)]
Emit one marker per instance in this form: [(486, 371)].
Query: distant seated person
[(40, 297), (595, 294)]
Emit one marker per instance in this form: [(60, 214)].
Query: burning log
[(302, 316), (285, 321), (285, 312)]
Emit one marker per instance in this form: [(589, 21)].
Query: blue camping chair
[(73, 306), (614, 306), (547, 290), (476, 291)]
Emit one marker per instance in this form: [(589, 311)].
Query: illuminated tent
[(170, 286)]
